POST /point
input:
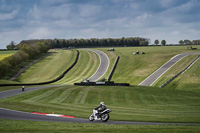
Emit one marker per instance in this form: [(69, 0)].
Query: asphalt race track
[(104, 64), (10, 93), (159, 72), (18, 115)]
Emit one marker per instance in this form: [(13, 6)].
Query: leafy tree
[(11, 46), (156, 42), (163, 42), (196, 42), (5, 67), (143, 43), (181, 42), (30, 50), (187, 42)]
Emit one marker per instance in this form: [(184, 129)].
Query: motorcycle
[(103, 116)]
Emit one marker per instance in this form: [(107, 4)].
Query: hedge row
[(92, 42), (25, 52)]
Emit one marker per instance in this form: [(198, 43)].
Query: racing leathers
[(100, 109)]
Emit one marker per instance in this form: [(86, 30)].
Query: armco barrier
[(51, 81), (114, 67), (163, 85), (111, 83)]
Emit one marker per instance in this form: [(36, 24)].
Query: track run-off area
[(104, 63)]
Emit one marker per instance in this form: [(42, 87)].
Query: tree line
[(181, 42), (188, 42), (26, 51), (93, 42)]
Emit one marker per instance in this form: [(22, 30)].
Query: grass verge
[(189, 80), (182, 64), (52, 127)]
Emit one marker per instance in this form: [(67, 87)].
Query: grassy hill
[(177, 102), (134, 69), (54, 65), (189, 80), (131, 68), (127, 103), (48, 68), (85, 68)]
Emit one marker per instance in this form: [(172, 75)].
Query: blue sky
[(171, 20)]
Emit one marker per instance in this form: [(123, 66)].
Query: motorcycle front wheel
[(91, 118), (105, 117)]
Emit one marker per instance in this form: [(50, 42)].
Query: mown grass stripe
[(85, 67), (42, 96), (75, 71), (85, 70), (48, 68), (80, 98), (128, 103), (89, 69), (64, 95), (71, 97)]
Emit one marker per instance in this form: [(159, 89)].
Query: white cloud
[(63, 23), (8, 36), (53, 2), (88, 10), (52, 12), (157, 19), (8, 16), (175, 32), (39, 33), (144, 17), (167, 3)]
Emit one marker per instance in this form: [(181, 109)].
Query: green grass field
[(177, 102), (59, 127), (86, 66), (48, 68), (134, 69), (189, 80), (4, 54), (127, 103), (54, 65), (190, 77)]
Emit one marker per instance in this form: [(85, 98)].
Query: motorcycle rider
[(100, 108)]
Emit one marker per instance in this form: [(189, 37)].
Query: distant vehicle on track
[(111, 49)]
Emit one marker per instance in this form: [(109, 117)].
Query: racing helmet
[(101, 103)]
